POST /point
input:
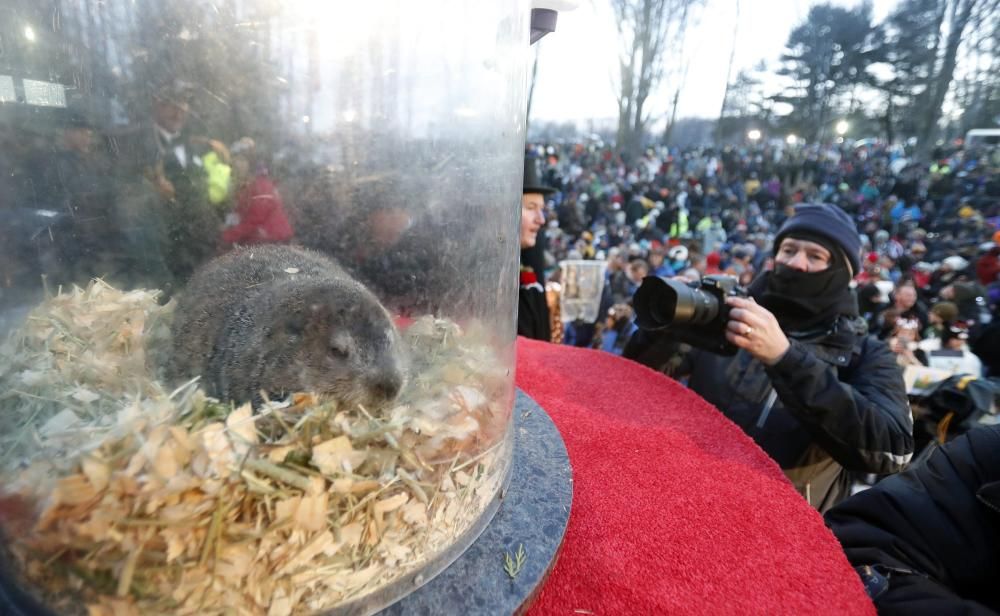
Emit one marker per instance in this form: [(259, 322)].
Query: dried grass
[(143, 501)]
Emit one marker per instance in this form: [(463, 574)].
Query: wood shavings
[(336, 456), (76, 359), (97, 471), (155, 500), (240, 423)]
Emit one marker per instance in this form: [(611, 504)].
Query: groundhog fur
[(282, 319)]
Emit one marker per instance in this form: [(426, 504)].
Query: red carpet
[(675, 510)]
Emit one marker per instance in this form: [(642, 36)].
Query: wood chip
[(74, 490), (97, 471), (281, 604), (85, 395), (336, 456), (311, 512), (392, 503), (242, 428)]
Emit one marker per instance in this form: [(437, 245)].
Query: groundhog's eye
[(338, 352)]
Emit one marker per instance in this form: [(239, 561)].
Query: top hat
[(174, 91), (532, 184)]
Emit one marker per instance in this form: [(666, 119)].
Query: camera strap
[(772, 397)]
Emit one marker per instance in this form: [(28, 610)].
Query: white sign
[(582, 285), (44, 93)]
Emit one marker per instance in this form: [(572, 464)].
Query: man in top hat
[(175, 161), (532, 311)]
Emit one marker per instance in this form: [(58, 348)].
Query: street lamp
[(753, 135), (791, 139), (842, 127), (29, 33)]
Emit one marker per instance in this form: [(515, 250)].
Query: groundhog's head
[(336, 339)]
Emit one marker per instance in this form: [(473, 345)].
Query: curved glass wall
[(258, 287)]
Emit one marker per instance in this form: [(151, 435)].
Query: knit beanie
[(828, 221), (947, 311)]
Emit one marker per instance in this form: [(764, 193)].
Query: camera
[(694, 313)]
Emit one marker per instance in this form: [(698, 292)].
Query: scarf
[(805, 301)]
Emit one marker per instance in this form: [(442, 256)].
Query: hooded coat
[(927, 541)]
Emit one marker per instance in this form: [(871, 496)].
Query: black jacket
[(532, 309), (932, 531), (836, 402)]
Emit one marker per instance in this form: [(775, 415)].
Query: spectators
[(712, 210)]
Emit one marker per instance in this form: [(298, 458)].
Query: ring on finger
[(747, 331)]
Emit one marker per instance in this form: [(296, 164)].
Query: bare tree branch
[(647, 30)]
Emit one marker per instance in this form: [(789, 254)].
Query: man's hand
[(165, 187), (217, 146), (159, 180), (754, 328)]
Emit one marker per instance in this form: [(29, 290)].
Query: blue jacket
[(930, 535)]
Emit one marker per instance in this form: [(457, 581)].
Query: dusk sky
[(578, 62)]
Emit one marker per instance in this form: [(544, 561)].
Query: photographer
[(809, 385)]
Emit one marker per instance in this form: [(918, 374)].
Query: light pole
[(753, 135), (842, 127)]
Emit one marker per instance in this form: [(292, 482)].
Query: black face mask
[(805, 301)]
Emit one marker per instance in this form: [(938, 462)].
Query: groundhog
[(282, 319)]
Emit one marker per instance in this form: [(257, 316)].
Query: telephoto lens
[(661, 302)]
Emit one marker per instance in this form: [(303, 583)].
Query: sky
[(578, 62)]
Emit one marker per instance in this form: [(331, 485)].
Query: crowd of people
[(144, 205), (928, 230)]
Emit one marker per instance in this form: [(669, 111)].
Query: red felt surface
[(675, 509)]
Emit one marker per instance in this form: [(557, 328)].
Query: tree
[(729, 73), (826, 57), (959, 14), (647, 29), (904, 63), (978, 92), (925, 42), (744, 105)]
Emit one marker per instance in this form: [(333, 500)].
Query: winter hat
[(827, 221), (947, 311), (678, 253), (956, 263)]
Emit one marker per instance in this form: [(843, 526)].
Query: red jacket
[(262, 217), (988, 267)]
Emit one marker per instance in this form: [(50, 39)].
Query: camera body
[(694, 313)]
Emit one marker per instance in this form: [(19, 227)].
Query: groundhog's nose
[(387, 386)]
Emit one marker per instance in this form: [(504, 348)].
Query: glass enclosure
[(257, 291)]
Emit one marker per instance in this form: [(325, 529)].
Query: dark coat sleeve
[(931, 530), (533, 315), (860, 416)]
